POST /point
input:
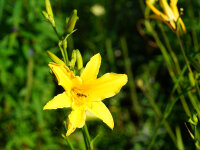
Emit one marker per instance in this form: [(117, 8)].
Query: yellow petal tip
[(51, 64), (112, 126), (125, 78), (67, 134), (45, 107)]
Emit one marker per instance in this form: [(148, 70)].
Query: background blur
[(112, 27)]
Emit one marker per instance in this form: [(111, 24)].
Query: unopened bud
[(63, 136), (71, 22), (48, 8), (191, 79), (49, 18), (64, 44), (65, 124), (193, 120), (55, 58), (73, 59), (81, 70), (45, 15), (67, 20), (79, 60)]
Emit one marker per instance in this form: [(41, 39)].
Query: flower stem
[(55, 30), (160, 115), (183, 52), (62, 51), (127, 63), (86, 137), (69, 143), (173, 55), (194, 102), (192, 20), (168, 64), (65, 51), (187, 62)]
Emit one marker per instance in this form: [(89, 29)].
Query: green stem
[(194, 103), (153, 139), (160, 115), (183, 52), (194, 33), (65, 51), (86, 136), (197, 87), (68, 142), (169, 65), (63, 46), (55, 30), (62, 51), (173, 55), (110, 53), (192, 99), (131, 82), (187, 62), (142, 5), (180, 145)]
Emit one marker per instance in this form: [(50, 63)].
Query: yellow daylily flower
[(170, 16), (85, 92)]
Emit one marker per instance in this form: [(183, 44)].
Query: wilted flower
[(170, 16)]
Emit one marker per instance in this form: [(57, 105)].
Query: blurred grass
[(26, 84)]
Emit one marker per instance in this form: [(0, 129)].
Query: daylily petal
[(106, 86), (65, 77), (92, 69), (59, 101), (170, 25), (182, 25), (156, 11), (76, 120), (167, 10), (173, 24), (173, 2), (173, 5), (101, 111)]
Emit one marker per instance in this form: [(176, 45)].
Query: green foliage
[(128, 44)]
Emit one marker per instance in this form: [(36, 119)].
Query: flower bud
[(55, 58), (49, 18), (73, 59), (48, 14), (64, 43), (71, 22), (81, 70), (45, 15), (191, 79), (48, 8), (193, 120), (79, 60), (67, 20)]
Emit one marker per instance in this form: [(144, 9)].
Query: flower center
[(78, 97)]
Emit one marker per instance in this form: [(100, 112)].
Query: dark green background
[(26, 84)]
